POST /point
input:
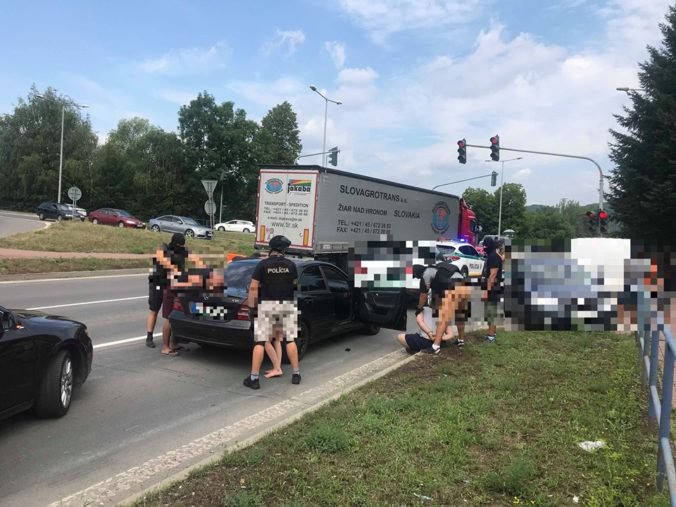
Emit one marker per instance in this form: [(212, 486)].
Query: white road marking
[(97, 277), (88, 303), (121, 342)]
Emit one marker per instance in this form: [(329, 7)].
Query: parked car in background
[(54, 211), (462, 255), (42, 358), (77, 213), (329, 305), (185, 225), (236, 226), (116, 217)]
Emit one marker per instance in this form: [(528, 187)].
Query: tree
[(546, 223), (30, 142), (513, 206), (279, 136), (485, 208), (643, 184)]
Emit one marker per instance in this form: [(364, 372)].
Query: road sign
[(210, 207), (74, 193), (209, 186)]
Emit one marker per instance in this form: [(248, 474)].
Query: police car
[(463, 255)]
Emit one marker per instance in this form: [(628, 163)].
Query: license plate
[(209, 311)]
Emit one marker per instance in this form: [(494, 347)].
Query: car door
[(167, 223), (342, 296), (473, 260), (315, 301), (17, 363), (382, 307), (231, 226), (111, 217), (52, 211)]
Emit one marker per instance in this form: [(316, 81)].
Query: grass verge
[(488, 425), (25, 266), (69, 236)]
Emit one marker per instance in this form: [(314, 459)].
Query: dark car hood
[(36, 318)]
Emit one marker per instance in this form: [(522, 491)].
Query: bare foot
[(273, 373)]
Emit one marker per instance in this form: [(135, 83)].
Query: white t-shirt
[(428, 318)]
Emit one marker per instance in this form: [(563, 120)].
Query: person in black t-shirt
[(168, 263), (492, 286), (273, 296)]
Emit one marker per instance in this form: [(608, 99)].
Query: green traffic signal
[(333, 156)]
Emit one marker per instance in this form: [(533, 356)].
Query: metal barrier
[(659, 410)]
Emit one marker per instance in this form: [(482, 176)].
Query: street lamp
[(63, 115), (626, 89), (502, 179), (326, 111)]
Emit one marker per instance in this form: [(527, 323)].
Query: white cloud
[(187, 61), (521, 174), (357, 76), (384, 17), (337, 52), (286, 41), (178, 97)]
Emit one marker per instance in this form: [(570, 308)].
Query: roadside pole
[(565, 155)]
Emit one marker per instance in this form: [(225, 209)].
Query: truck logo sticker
[(440, 214), (300, 186), (274, 186)]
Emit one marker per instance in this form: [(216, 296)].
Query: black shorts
[(155, 295), (416, 342)]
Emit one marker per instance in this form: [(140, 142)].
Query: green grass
[(87, 237), (488, 425), (24, 266)]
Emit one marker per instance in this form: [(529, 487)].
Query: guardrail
[(648, 338)]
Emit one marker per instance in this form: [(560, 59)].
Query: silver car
[(185, 225)]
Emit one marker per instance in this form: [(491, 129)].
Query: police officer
[(272, 300)]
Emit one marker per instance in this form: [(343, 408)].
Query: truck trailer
[(325, 211)]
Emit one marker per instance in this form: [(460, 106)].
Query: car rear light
[(177, 305), (455, 258), (243, 312)]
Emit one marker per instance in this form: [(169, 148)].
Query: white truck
[(325, 211)]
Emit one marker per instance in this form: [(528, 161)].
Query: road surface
[(138, 405), (14, 222)]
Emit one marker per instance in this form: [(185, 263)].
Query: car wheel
[(246, 230), (41, 216), (190, 233), (120, 224), (59, 218), (302, 342), (221, 228), (464, 271), (56, 389), (371, 330), (155, 228), (95, 221)]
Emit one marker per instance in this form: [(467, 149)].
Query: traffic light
[(333, 156), (603, 221), (495, 148), (462, 151), (591, 221), (494, 178)]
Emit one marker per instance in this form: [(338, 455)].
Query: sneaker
[(295, 378), (490, 339), (253, 384), (150, 343), (431, 350), (460, 343)]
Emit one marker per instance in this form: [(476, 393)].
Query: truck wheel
[(56, 388)]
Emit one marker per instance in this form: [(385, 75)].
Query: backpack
[(444, 278)]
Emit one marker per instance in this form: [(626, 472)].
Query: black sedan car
[(329, 305), (42, 358), (57, 212)]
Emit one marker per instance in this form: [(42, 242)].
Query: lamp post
[(63, 116), (326, 112), (502, 179), (626, 89)]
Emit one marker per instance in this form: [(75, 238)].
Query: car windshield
[(188, 221), (65, 207), (444, 251), (238, 278)]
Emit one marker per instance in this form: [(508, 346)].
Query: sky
[(413, 76)]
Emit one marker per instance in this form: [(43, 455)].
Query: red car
[(118, 217)]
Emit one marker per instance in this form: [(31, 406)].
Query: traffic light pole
[(460, 181), (565, 155)]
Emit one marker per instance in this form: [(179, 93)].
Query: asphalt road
[(14, 222), (138, 404)]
